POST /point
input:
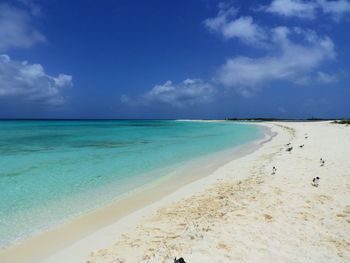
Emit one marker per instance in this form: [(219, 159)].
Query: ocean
[(53, 171)]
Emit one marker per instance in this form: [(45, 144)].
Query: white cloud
[(326, 78), (30, 82), (298, 8), (16, 29), (189, 92), (224, 14), (292, 62), (229, 27), (19, 79), (337, 9), (294, 55)]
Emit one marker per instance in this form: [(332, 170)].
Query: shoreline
[(43, 245), (241, 212), (245, 213)]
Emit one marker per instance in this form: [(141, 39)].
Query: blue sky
[(174, 59)]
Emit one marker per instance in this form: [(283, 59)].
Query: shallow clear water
[(54, 170)]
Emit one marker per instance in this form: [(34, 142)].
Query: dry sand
[(242, 212)]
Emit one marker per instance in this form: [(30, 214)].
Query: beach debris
[(306, 137), (289, 149), (315, 181), (180, 260), (274, 170), (267, 217), (301, 146), (287, 144)]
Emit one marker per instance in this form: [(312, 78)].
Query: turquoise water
[(54, 170)]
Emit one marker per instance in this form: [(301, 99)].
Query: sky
[(174, 59)]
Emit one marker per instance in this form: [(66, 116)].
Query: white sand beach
[(239, 213)]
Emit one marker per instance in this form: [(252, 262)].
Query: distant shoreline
[(121, 119)]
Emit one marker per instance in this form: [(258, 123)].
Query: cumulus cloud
[(228, 26), (292, 61), (16, 28), (187, 93), (225, 13), (19, 79), (337, 9), (298, 8), (293, 55)]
